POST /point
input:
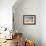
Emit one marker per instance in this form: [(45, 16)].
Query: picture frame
[(29, 19)]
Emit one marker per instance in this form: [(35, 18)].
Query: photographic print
[(29, 19)]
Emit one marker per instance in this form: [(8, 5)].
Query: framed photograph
[(29, 19)]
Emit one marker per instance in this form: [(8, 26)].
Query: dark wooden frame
[(29, 23)]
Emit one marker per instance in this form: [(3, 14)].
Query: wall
[(6, 17), (43, 22), (28, 7), (6, 13)]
